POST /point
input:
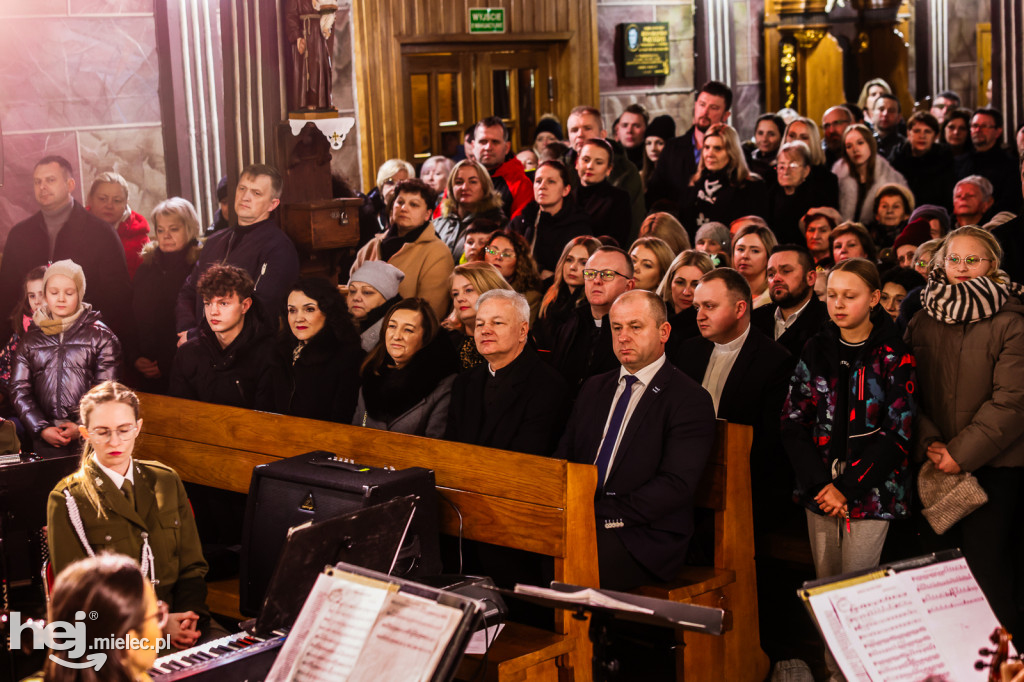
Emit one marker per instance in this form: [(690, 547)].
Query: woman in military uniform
[(120, 504)]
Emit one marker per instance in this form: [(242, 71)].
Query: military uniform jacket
[(161, 509)]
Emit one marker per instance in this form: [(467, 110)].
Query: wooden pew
[(731, 583), (510, 499)]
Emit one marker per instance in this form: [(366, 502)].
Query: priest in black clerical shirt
[(514, 401)]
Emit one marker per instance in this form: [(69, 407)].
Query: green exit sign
[(486, 20)]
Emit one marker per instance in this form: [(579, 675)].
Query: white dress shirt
[(116, 478), (644, 378), (723, 357), (781, 325)]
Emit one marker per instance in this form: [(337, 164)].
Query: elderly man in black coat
[(63, 229), (514, 401)]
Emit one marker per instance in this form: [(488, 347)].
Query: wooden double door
[(448, 88)]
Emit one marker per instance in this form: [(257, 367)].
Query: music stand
[(665, 614), (369, 538)]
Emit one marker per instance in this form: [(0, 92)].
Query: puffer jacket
[(970, 388), (52, 373), (880, 411)]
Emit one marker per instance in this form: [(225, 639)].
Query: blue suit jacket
[(648, 497)]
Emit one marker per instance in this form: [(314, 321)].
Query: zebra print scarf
[(967, 302)]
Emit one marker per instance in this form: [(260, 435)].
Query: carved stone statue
[(309, 30)]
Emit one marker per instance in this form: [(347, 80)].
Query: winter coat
[(88, 241), (154, 295), (971, 388), (322, 383), (550, 233), (625, 175), (511, 182), (609, 210), (427, 263), (239, 375), (134, 234), (52, 373), (714, 198), (451, 229), (881, 408), (413, 399), (931, 176), (263, 250), (848, 184)]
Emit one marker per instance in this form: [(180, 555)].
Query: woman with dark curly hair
[(510, 254), (316, 364)]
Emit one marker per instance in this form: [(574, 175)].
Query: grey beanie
[(382, 276), (716, 232)]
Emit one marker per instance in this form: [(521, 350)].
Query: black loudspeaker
[(316, 486)]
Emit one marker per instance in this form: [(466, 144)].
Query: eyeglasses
[(981, 126), (790, 166), (921, 263), (103, 435), (162, 615), (969, 261), (606, 275), (504, 255)]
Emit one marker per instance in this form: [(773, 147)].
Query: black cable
[(459, 514)]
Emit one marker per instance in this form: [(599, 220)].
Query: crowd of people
[(849, 289)]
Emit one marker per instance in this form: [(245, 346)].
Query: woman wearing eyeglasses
[(969, 343), (122, 605), (116, 503), (793, 196), (510, 254)]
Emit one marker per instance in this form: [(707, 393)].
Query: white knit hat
[(69, 269)]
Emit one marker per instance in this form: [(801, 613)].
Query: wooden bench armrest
[(222, 598), (516, 649), (692, 582)]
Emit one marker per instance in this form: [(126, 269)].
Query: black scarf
[(967, 302), (392, 392)]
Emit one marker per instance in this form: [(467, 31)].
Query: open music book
[(357, 629), (904, 623)]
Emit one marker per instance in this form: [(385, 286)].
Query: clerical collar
[(735, 344)]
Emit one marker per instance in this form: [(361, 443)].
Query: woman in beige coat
[(969, 344), (411, 245)]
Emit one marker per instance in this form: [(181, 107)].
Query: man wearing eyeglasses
[(991, 161), (583, 345)]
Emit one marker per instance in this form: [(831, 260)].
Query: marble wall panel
[(111, 6), (610, 44), (742, 59), (345, 161), (963, 80), (137, 154), (746, 107), (97, 71), (678, 105), (21, 152), (18, 8), (681, 44)]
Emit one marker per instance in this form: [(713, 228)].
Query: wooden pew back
[(510, 499)]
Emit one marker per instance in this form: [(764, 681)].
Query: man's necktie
[(604, 455)]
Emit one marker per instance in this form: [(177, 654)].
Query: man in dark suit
[(679, 159), (746, 374), (796, 314), (64, 229), (514, 401), (650, 430), (583, 344)]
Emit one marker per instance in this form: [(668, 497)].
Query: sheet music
[(906, 626), (407, 641), (956, 612), (347, 611)]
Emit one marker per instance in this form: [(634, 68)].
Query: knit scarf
[(51, 326), (967, 302)]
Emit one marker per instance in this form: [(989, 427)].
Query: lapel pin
[(656, 389)]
